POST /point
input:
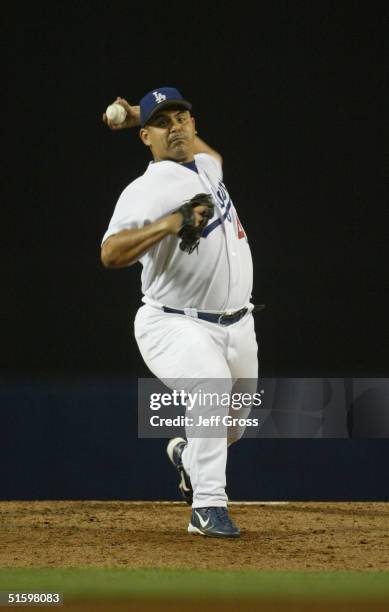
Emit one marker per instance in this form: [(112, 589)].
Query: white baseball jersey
[(220, 276)]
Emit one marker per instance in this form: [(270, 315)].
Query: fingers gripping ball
[(116, 113), (189, 233)]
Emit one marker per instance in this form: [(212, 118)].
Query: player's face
[(170, 134)]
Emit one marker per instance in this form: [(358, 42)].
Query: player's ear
[(145, 137)]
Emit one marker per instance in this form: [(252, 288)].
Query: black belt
[(222, 318)]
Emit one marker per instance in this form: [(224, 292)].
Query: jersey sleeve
[(134, 209), (211, 164)]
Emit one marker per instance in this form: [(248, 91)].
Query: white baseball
[(116, 113)]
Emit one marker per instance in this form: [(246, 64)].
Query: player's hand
[(175, 220), (132, 118), (198, 211)]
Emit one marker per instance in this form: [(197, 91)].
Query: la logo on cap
[(159, 97)]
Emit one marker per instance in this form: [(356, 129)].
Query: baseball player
[(196, 322)]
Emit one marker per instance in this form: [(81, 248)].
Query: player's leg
[(189, 353), (242, 360)]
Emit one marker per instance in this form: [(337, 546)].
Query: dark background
[(291, 93)]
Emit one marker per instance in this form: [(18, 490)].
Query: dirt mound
[(295, 536)]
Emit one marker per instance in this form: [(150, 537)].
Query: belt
[(222, 318)]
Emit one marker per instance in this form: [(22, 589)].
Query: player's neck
[(189, 160)]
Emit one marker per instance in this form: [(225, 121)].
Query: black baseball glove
[(190, 234)]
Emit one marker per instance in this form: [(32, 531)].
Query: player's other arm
[(201, 147), (126, 247)]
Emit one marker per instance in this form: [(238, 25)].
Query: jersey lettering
[(225, 203), (223, 198)]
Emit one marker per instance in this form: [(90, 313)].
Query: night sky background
[(293, 96)]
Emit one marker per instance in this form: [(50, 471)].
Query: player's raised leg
[(242, 358)]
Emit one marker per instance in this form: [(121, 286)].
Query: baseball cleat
[(174, 452), (214, 522)]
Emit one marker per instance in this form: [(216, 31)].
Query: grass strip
[(112, 582)]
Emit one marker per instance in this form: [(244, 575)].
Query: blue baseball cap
[(163, 97)]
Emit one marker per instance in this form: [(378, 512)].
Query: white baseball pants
[(177, 347)]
